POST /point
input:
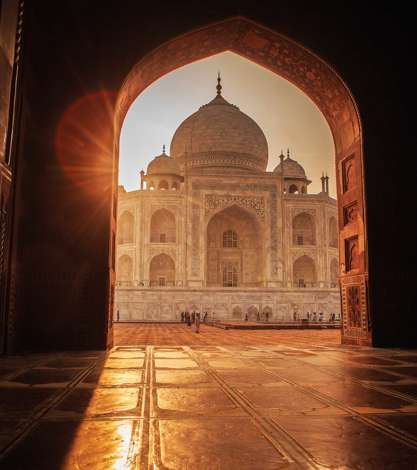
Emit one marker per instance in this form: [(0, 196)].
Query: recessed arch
[(125, 228), (163, 185), (293, 189), (334, 271), (315, 78), (162, 271), (234, 249), (304, 272), (333, 233), (163, 227), (125, 269), (304, 229)]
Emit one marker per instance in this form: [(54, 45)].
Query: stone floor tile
[(23, 400), (115, 377), (69, 445), (175, 364), (343, 442), (284, 399), (216, 444), (123, 363), (191, 377), (362, 399), (100, 402), (47, 376), (194, 401)]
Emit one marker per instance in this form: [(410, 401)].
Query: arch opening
[(163, 227), (162, 271), (238, 35), (234, 252)]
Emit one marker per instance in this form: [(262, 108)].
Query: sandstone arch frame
[(325, 87)]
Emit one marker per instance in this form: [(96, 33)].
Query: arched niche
[(333, 233), (303, 229), (124, 271), (318, 80), (304, 272), (234, 251), (163, 185), (163, 227), (162, 271), (237, 313), (293, 189), (125, 228), (334, 272)]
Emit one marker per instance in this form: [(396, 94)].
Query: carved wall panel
[(353, 306), (214, 202), (352, 253), (350, 213), (356, 322), (349, 174), (195, 239)]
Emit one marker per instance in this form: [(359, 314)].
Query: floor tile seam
[(382, 367), (302, 456), (357, 381), (141, 446), (27, 369), (62, 419), (37, 416), (391, 431)]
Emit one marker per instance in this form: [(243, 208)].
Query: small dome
[(163, 165), (292, 169), (220, 135)]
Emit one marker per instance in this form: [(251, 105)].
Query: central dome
[(220, 135)]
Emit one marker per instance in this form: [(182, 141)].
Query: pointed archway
[(324, 86)]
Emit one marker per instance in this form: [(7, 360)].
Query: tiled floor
[(179, 334), (231, 401)]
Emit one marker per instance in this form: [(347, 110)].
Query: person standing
[(193, 316), (197, 322), (188, 318)]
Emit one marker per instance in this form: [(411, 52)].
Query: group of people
[(314, 317), (193, 318)]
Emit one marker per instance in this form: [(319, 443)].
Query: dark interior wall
[(82, 47)]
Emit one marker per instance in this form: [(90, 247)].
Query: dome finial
[(163, 149), (219, 87), (288, 153)]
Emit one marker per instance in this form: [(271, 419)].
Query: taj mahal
[(210, 229)]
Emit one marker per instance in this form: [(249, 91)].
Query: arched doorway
[(234, 249), (126, 228), (303, 230), (304, 272), (323, 85), (162, 271), (163, 227)]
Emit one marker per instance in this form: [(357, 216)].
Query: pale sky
[(286, 115)]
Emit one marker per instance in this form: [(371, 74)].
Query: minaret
[(327, 184), (323, 183), (219, 86), (142, 174)]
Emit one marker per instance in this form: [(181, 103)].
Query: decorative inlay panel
[(350, 213), (353, 306), (352, 253), (349, 174), (253, 203), (195, 234)]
